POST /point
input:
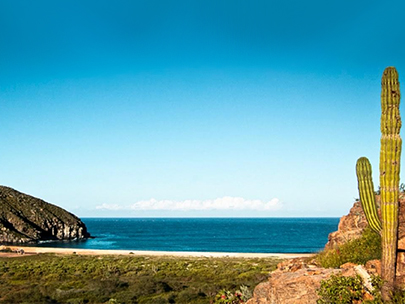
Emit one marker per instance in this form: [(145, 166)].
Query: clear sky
[(194, 108)]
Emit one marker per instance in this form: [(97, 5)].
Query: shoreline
[(37, 250)]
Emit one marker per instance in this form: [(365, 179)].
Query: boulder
[(297, 281)]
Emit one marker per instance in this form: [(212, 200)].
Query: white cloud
[(224, 203), (109, 207)]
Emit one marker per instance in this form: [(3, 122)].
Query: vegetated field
[(49, 278)]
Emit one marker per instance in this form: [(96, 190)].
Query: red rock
[(347, 265), (373, 267), (367, 297)]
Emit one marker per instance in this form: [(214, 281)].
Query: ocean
[(250, 235)]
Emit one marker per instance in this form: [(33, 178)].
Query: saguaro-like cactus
[(367, 195), (390, 156)]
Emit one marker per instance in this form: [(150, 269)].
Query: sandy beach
[(37, 250)]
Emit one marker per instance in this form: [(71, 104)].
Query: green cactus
[(390, 156), (366, 192)]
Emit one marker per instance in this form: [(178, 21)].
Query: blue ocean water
[(257, 235)]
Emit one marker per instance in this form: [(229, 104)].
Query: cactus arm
[(366, 192), (390, 155)]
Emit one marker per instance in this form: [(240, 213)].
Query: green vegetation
[(358, 251), (345, 290), (49, 278), (340, 290), (239, 296)]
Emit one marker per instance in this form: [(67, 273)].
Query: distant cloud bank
[(224, 203)]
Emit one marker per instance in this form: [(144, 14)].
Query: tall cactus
[(366, 191), (390, 156)]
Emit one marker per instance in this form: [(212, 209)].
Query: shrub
[(398, 297), (246, 293), (340, 290), (358, 251), (239, 296), (228, 297)]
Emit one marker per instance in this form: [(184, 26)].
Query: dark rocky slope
[(26, 219)]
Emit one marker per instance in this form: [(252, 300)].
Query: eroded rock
[(351, 226), (26, 219), (296, 281)]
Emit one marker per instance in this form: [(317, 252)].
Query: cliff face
[(351, 226), (26, 219)]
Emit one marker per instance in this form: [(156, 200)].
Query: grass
[(48, 278)]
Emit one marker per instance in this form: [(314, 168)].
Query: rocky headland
[(26, 219)]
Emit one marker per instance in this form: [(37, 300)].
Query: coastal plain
[(107, 276)]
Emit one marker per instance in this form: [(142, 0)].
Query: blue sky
[(193, 108)]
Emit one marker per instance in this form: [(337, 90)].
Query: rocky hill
[(297, 281), (26, 219)]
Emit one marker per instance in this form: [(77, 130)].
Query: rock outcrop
[(297, 281), (26, 219), (351, 226), (294, 281)]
